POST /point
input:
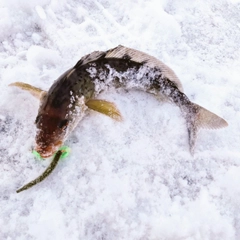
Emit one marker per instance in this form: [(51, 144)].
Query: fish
[(65, 104)]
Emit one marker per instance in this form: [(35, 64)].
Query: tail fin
[(202, 118)]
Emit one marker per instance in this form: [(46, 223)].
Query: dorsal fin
[(91, 57)]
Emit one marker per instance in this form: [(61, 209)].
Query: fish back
[(121, 52), (141, 57)]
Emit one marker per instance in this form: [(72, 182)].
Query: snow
[(133, 179)]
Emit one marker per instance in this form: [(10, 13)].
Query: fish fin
[(207, 119), (192, 135), (36, 92), (202, 118), (104, 107)]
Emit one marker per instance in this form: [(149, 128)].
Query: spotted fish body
[(64, 105), (66, 102)]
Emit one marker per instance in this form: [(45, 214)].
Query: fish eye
[(63, 123)]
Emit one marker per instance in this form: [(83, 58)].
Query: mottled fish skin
[(141, 57), (64, 104)]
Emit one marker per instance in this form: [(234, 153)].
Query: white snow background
[(133, 179)]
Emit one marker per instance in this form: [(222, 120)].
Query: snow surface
[(135, 179)]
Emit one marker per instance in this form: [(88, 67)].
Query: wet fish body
[(66, 102), (64, 105)]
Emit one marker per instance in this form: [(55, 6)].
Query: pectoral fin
[(104, 107), (36, 92)]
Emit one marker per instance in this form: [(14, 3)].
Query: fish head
[(51, 132)]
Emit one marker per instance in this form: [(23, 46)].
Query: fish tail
[(199, 117)]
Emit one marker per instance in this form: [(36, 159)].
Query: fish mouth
[(48, 151)]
